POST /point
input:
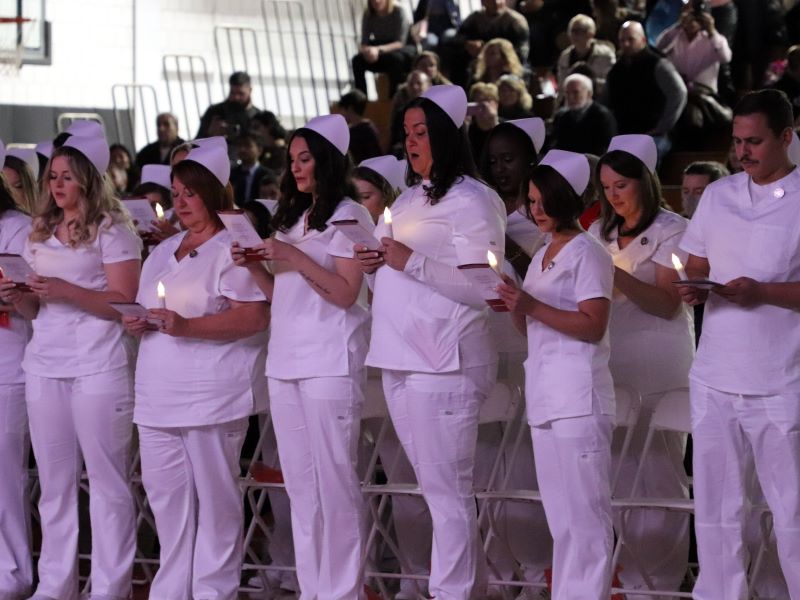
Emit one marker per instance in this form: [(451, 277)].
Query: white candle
[(387, 218), (676, 262), (161, 291), (159, 211), (492, 261)]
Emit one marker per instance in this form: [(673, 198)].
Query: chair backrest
[(502, 404), (627, 403), (673, 412)]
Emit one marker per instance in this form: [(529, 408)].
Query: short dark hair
[(150, 187), (214, 195), (249, 138), (269, 176), (357, 100), (268, 119), (711, 168), (239, 78), (523, 141), (263, 217), (450, 151), (627, 165), (773, 104), (559, 200)]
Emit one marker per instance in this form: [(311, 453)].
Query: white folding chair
[(628, 405)]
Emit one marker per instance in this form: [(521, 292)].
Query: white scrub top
[(185, 382), (417, 322), (649, 353), (748, 350), (14, 229), (311, 337), (564, 376), (524, 232), (68, 341)]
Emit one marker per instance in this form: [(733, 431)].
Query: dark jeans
[(394, 64)]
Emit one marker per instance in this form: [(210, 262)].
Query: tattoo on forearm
[(316, 284)]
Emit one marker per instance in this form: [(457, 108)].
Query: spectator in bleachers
[(122, 159), (582, 125), (416, 84), (384, 31), (266, 126), (434, 22), (547, 21), (514, 100), (696, 178), (235, 111), (497, 58), (495, 20), (609, 17), (643, 90), (20, 175), (428, 62), (482, 115), (600, 56), (157, 153), (789, 83), (246, 175), (268, 186), (364, 142)]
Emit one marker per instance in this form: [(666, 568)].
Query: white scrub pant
[(317, 423), (16, 571), (191, 476), (90, 416), (436, 419), (726, 427), (573, 466), (659, 539)]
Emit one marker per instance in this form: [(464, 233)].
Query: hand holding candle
[(387, 218), (161, 291), (676, 262), (492, 261), (159, 211)]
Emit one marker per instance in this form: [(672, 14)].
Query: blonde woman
[(497, 58), (85, 254), (515, 101), (18, 169)]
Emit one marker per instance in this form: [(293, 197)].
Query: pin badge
[(645, 241), (551, 265), (778, 192)]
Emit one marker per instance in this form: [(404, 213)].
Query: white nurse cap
[(45, 148), (215, 159), (452, 99), (333, 128), (390, 168), (571, 166), (94, 148), (29, 156), (158, 174), (794, 149), (639, 145), (211, 142), (534, 128), (86, 128)]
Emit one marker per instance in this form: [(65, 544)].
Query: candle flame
[(387, 216), (159, 211), (676, 262), (492, 259), (161, 290)]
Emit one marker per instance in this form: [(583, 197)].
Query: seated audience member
[(434, 22), (696, 178), (235, 111), (21, 169), (268, 186), (417, 83), (122, 159), (364, 141), (789, 83), (157, 153), (582, 125), (428, 62), (495, 20), (246, 175), (384, 30), (515, 101), (585, 48), (547, 22), (483, 115), (266, 127), (643, 90), (497, 58)]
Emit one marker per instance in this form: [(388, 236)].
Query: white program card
[(15, 268), (142, 212), (240, 228), (486, 279), (357, 233)]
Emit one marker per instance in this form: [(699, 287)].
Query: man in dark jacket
[(157, 153), (582, 125)]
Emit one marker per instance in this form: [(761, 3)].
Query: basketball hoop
[(12, 43)]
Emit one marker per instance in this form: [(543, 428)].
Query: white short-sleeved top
[(564, 376), (14, 229), (185, 382), (524, 232), (311, 337), (748, 350), (68, 341), (649, 353), (414, 326)]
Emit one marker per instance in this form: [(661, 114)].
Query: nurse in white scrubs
[(16, 570), (79, 384), (21, 170), (652, 347), (315, 360), (430, 331), (194, 389), (563, 307), (378, 182)]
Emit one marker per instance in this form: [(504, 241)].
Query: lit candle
[(492, 261), (676, 262), (387, 218), (159, 211), (161, 291)]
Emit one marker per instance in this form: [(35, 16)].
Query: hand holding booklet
[(486, 279), (15, 268), (243, 233), (133, 309), (142, 213), (702, 284), (357, 233)]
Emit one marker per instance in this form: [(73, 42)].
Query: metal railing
[(135, 111), (189, 73)]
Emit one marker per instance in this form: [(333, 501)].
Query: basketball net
[(12, 48)]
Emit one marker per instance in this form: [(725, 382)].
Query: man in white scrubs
[(745, 381)]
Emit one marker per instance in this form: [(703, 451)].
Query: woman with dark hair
[(266, 126), (652, 346), (315, 359), (430, 331), (78, 380), (16, 575), (198, 356), (563, 309), (122, 160)]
